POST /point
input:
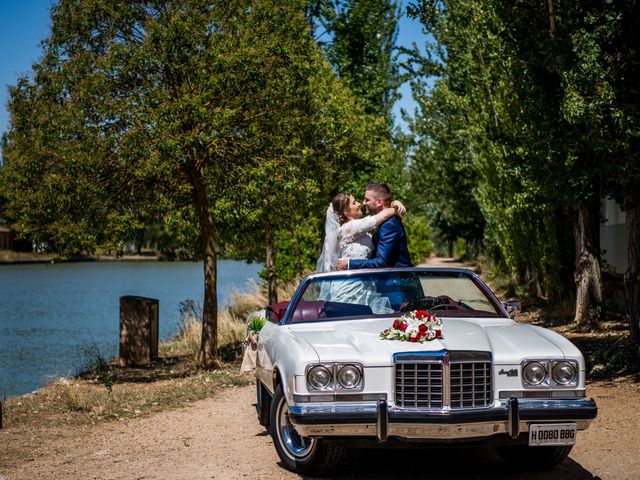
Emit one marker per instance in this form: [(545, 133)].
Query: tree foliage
[(532, 102), (362, 49), (443, 173), (211, 119)]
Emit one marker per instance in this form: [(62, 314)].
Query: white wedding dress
[(355, 242)]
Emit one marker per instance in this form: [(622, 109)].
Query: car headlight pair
[(335, 376), (549, 372)]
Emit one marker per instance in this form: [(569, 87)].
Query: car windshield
[(391, 293)]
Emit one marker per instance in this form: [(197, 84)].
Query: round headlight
[(349, 376), (564, 373), (319, 377), (534, 373)]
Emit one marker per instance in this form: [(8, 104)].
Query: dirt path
[(221, 438), (444, 262)]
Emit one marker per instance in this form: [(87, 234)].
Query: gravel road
[(221, 438)]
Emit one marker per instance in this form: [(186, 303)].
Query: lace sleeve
[(353, 229)]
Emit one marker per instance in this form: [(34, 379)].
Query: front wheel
[(309, 456), (534, 458)]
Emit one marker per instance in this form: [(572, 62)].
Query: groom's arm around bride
[(390, 241)]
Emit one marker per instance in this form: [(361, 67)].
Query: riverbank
[(57, 318), (8, 257), (106, 391)]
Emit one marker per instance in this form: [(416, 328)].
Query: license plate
[(552, 434)]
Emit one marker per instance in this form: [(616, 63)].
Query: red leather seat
[(308, 310), (279, 310)]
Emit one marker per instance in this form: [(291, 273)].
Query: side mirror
[(512, 307)]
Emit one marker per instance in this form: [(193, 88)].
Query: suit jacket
[(390, 247)]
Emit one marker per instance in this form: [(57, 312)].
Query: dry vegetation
[(86, 401)]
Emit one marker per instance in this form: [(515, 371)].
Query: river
[(55, 318)]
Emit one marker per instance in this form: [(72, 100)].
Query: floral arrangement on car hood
[(417, 326)]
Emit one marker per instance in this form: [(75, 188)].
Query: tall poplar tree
[(361, 48), (360, 40), (549, 88)]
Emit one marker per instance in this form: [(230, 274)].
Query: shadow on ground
[(446, 464)]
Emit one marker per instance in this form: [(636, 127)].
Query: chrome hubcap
[(297, 446)]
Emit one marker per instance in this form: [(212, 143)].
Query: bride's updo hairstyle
[(340, 203)]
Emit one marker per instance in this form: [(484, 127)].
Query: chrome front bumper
[(381, 421)]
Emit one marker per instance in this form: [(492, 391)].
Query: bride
[(347, 236)]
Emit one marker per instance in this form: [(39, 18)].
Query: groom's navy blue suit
[(390, 247)]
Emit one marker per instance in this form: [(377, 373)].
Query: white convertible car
[(415, 354)]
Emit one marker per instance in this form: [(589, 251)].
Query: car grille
[(419, 385), (470, 384), (443, 379)]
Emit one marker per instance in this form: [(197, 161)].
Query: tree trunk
[(552, 17), (298, 257), (207, 357), (587, 275), (532, 279), (450, 248), (139, 243), (271, 266), (494, 111), (632, 275)]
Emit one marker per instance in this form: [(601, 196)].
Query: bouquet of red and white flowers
[(417, 326)]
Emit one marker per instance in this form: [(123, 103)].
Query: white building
[(613, 236)]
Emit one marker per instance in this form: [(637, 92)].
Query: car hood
[(359, 340)]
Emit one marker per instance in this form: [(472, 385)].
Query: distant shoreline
[(19, 258)]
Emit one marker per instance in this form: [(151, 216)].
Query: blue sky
[(25, 23)]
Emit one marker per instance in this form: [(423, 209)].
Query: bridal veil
[(329, 256)]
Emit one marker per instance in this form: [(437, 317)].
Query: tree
[(177, 112), (575, 185), (472, 146), (364, 34), (442, 168), (582, 57), (601, 98), (519, 66)]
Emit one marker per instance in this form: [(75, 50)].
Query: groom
[(390, 241)]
